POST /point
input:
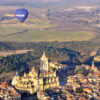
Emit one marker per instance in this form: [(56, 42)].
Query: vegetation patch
[(47, 35)]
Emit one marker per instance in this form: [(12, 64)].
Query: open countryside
[(8, 53), (42, 26), (38, 30)]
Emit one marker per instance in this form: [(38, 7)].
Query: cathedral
[(34, 81)]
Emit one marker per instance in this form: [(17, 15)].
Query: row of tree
[(79, 46), (56, 51)]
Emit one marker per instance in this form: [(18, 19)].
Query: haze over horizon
[(61, 2)]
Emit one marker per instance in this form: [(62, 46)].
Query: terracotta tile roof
[(82, 98), (87, 89), (4, 84), (83, 93)]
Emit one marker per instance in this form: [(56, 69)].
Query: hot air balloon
[(21, 14)]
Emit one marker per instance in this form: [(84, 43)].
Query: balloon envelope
[(21, 14)]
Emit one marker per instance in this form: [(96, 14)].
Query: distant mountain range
[(67, 2)]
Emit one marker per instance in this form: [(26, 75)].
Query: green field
[(35, 35), (38, 30)]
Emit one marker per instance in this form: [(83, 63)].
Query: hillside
[(50, 20)]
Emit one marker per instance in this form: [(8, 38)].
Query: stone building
[(93, 68), (34, 81), (44, 63)]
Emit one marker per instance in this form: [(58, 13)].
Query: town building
[(8, 93)]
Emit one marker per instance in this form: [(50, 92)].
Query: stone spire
[(17, 73), (44, 63), (93, 66), (44, 56), (33, 68)]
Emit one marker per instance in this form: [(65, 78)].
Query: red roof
[(87, 89), (47, 73), (95, 73), (83, 93), (82, 98), (4, 84)]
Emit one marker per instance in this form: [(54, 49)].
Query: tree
[(79, 90)]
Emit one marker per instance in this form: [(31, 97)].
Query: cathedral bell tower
[(44, 63)]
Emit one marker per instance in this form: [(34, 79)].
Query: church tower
[(15, 79), (44, 63), (93, 66)]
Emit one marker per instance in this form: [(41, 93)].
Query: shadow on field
[(22, 32)]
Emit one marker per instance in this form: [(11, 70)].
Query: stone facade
[(44, 63), (33, 81)]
